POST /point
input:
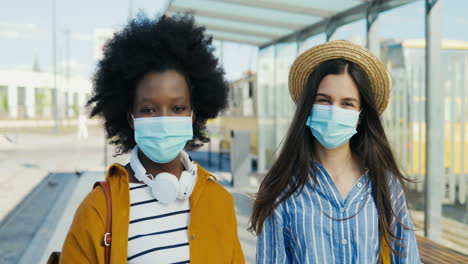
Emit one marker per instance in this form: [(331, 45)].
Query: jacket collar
[(118, 174), (203, 177)]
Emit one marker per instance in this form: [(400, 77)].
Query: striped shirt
[(158, 233), (318, 226)]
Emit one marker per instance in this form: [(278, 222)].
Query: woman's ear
[(193, 117), (130, 119)]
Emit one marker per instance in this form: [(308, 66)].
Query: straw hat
[(340, 49)]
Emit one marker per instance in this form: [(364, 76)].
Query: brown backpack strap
[(108, 234), (54, 258)]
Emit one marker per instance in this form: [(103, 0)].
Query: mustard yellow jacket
[(212, 230)]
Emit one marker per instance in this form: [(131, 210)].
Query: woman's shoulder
[(211, 185), (394, 182), (213, 200), (216, 189)]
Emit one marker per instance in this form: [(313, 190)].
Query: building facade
[(30, 95)]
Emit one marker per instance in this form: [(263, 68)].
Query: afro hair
[(157, 45)]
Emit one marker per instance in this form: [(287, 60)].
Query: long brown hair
[(294, 165)]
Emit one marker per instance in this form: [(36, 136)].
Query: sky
[(26, 31)]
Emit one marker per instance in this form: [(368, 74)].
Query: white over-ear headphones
[(165, 186)]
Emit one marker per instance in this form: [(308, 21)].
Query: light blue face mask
[(162, 138), (332, 126)]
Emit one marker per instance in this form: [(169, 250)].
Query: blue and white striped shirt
[(318, 226)]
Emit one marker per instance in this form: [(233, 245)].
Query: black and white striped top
[(158, 233)]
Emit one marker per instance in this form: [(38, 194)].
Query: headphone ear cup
[(165, 187), (186, 183)]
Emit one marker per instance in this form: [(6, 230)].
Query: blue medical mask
[(332, 126), (162, 138)]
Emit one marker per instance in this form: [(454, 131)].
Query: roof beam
[(240, 28), (242, 41), (234, 17), (340, 19), (283, 7), (248, 32), (217, 35)]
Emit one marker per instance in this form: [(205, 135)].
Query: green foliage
[(75, 109), (4, 102), (41, 101)]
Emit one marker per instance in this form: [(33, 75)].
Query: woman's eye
[(322, 100), (147, 110), (178, 109)]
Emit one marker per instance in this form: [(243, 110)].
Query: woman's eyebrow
[(178, 99), (145, 100), (151, 99), (351, 99), (324, 95)]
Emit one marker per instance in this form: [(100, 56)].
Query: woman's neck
[(341, 165), (338, 162), (174, 167)]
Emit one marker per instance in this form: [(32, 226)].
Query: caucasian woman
[(335, 193)]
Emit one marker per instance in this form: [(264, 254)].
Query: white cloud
[(17, 31)]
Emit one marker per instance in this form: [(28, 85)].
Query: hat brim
[(308, 61)]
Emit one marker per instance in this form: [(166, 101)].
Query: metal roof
[(266, 22)]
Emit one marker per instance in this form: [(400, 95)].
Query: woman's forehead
[(339, 86), (164, 84)]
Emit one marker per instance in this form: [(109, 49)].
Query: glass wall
[(454, 67), (355, 32), (275, 107), (265, 97)]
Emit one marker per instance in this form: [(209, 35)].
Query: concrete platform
[(59, 219), (32, 220)]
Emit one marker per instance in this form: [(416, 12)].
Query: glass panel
[(335, 5), (219, 23), (355, 32), (283, 105), (238, 60), (404, 118), (265, 96), (312, 41), (220, 35), (403, 46), (240, 10), (454, 73)]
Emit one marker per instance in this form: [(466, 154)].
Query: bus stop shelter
[(265, 23)]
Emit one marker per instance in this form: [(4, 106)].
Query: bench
[(432, 252)]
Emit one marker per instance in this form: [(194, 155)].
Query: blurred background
[(51, 152)]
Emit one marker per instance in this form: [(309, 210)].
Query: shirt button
[(192, 237), (344, 241), (359, 185), (362, 197), (341, 210)]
